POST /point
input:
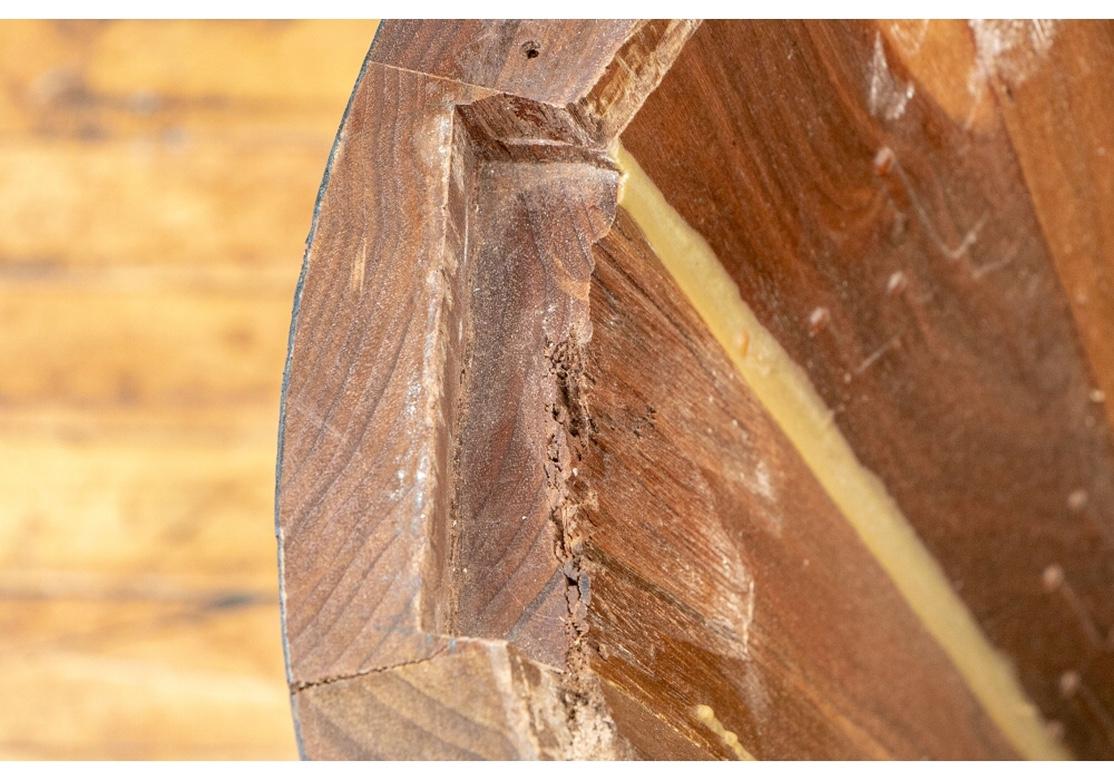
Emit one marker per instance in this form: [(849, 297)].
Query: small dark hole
[(530, 49)]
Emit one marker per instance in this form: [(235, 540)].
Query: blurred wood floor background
[(156, 186)]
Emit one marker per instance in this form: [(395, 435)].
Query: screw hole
[(530, 49)]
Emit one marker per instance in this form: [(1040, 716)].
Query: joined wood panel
[(879, 222), (718, 600), (722, 573)]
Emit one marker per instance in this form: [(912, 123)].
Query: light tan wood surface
[(157, 186)]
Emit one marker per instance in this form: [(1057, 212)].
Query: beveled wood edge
[(295, 308)]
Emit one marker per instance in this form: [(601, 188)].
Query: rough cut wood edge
[(295, 308), (342, 646)]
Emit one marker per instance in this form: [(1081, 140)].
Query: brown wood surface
[(527, 508), (713, 556), (967, 386), (157, 183)]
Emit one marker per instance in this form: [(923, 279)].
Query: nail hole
[(530, 49)]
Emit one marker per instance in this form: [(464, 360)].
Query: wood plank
[(134, 678), (194, 517), (185, 347), (722, 573), (267, 80), (159, 183), (375, 579), (900, 261), (515, 57), (165, 187), (1064, 142), (510, 709), (336, 427)]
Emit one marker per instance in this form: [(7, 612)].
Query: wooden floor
[(156, 188)]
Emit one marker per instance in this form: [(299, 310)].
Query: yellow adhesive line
[(787, 394), (707, 716)]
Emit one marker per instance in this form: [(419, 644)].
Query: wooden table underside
[(527, 507)]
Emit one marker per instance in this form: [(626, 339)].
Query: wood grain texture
[(510, 56), (510, 708), (946, 343), (350, 427), (1062, 135), (475, 338), (509, 444), (158, 178), (713, 556), (530, 273)]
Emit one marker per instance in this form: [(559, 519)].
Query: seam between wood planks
[(786, 392)]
